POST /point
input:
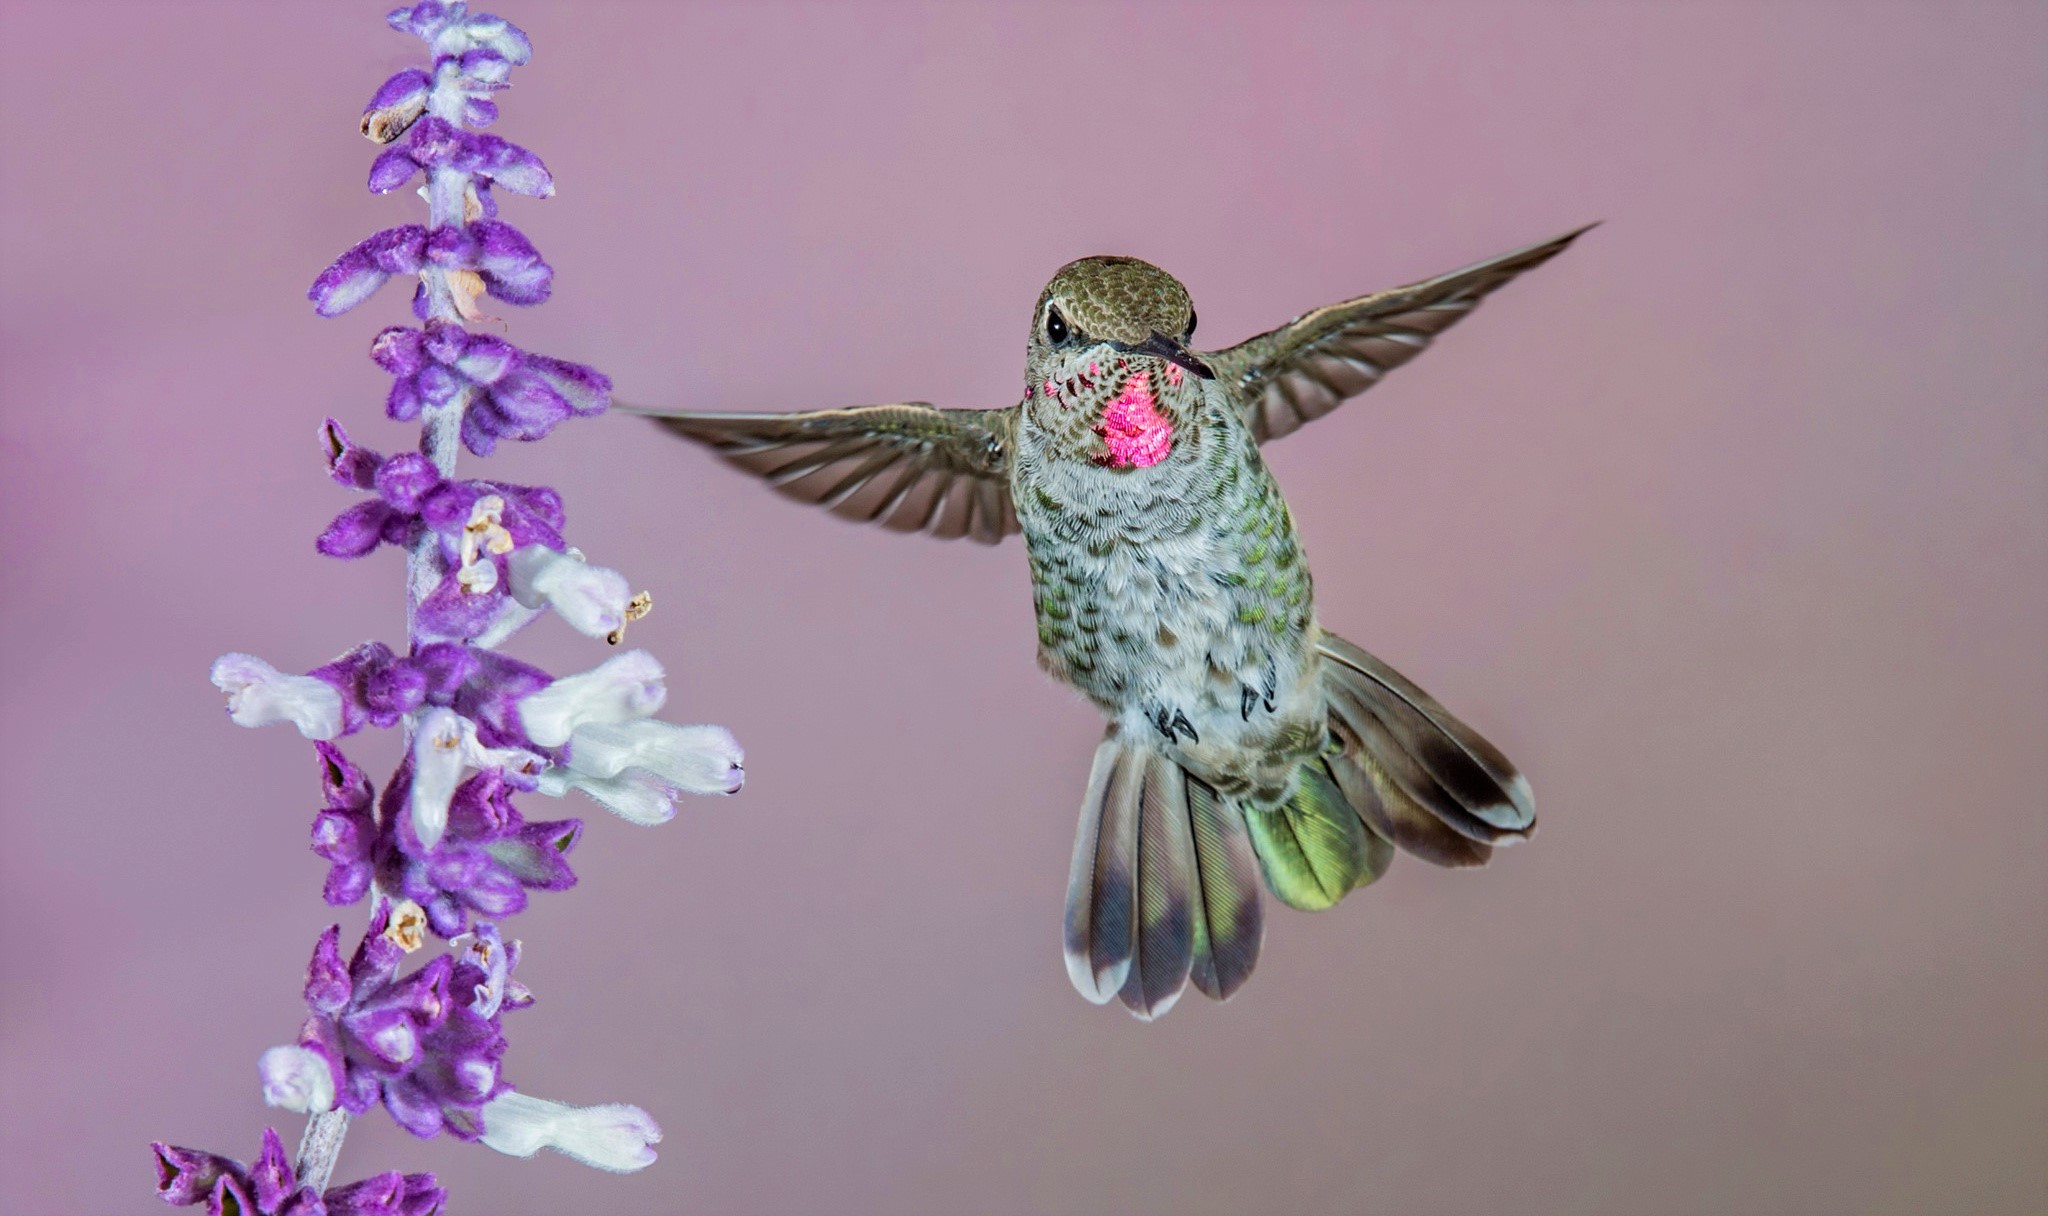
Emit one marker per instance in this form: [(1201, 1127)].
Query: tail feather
[(1379, 846), (1439, 761), (1164, 948), (1312, 847), (1098, 937), (1402, 782), (1229, 922), (1395, 817), (1163, 888)]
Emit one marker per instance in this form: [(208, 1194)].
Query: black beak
[(1170, 349)]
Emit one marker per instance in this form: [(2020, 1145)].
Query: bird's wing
[(911, 467), (1312, 364)]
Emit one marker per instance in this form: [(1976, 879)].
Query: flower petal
[(296, 1078), (397, 103), (614, 1137), (357, 274), (327, 983), (186, 1176), (437, 753), (260, 695), (230, 1197), (592, 599), (393, 168), (348, 463), (700, 759), (271, 1177), (636, 796), (623, 688), (356, 531), (587, 390)]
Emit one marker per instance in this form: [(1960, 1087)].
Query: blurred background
[(1730, 526)]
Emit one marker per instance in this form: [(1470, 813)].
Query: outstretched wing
[(1312, 364), (911, 467)]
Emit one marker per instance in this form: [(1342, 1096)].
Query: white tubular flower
[(260, 695), (698, 759), (592, 599), (621, 689), (296, 1078), (615, 1138), (638, 797), (437, 763), (636, 769), (444, 745)]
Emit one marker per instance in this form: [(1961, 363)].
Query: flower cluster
[(426, 1045), (511, 394), (443, 850), (501, 554), (187, 1176), (486, 861)]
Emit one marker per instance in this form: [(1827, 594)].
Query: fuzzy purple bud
[(327, 982), (397, 103), (356, 275)]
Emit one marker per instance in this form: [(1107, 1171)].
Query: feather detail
[(1099, 885), (1312, 847), (1357, 790), (909, 466), (1229, 922), (1166, 891), (1454, 756), (1395, 816), (1301, 371), (1438, 763)]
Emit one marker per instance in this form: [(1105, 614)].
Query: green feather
[(1313, 849)]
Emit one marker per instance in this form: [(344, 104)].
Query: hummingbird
[(1245, 741)]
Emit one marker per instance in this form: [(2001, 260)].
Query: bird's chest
[(1123, 620), (1143, 586)]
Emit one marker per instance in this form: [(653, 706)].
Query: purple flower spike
[(442, 848)]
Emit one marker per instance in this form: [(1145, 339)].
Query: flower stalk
[(443, 851)]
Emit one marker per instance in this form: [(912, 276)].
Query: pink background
[(1731, 526)]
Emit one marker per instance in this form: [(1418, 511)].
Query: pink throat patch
[(1138, 435)]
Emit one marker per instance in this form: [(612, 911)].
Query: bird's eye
[(1191, 324), (1056, 330)]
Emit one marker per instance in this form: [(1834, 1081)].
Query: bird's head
[(1108, 353)]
